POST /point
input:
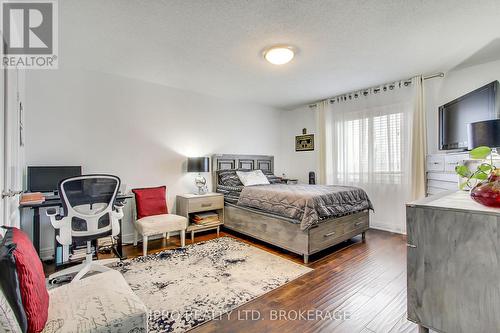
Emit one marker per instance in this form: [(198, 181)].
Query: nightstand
[(289, 181), (193, 203)]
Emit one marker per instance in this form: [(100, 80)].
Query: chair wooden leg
[(135, 236), (144, 245), (183, 238)]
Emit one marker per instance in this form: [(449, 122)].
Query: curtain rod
[(427, 77), (440, 74)]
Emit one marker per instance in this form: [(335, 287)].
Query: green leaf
[(480, 175), (485, 167), (480, 153), (463, 171)]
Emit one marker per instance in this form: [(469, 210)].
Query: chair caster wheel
[(59, 280)]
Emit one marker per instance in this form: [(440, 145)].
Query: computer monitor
[(47, 178)]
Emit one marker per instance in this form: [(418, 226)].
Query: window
[(371, 149)]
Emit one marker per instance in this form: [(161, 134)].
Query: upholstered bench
[(99, 303)]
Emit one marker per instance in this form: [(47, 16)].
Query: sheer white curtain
[(370, 141)]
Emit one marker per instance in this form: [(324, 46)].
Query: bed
[(258, 212)]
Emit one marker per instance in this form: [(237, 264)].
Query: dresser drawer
[(435, 163), (434, 190), (443, 185), (443, 176), (451, 161), (206, 203)]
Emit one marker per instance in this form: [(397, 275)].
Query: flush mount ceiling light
[(279, 55)]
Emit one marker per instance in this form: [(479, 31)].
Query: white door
[(2, 153), (13, 158)]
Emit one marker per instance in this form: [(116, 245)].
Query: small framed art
[(304, 142)]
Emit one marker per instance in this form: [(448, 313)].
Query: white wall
[(297, 164), (140, 131), (455, 84)]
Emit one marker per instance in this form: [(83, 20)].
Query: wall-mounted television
[(454, 117)]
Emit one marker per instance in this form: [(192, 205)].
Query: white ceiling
[(214, 46)]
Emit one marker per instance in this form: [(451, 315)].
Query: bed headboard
[(248, 162)]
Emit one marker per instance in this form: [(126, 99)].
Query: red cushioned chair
[(153, 217)]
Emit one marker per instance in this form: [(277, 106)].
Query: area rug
[(183, 288)]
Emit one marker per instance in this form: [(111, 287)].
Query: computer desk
[(55, 201)]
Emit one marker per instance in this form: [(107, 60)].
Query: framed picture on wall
[(304, 142)]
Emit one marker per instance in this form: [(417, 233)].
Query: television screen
[(454, 117), (47, 178)]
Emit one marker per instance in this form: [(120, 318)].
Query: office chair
[(89, 213)]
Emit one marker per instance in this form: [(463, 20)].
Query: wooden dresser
[(453, 264)]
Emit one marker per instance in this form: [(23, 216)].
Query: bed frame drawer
[(359, 222), (206, 203), (323, 235), (336, 230)]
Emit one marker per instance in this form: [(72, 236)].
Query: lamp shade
[(198, 164), (484, 133)]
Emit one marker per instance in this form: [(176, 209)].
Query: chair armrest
[(116, 215), (118, 212), (61, 223), (51, 212), (55, 217), (119, 205)]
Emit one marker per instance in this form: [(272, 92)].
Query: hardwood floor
[(355, 287), (365, 282)]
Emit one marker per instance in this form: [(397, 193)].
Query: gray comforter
[(307, 204)]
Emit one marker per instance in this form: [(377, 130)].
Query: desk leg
[(36, 229), (119, 249)]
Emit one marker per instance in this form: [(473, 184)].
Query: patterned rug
[(183, 288)]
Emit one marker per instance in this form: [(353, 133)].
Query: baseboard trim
[(129, 238), (387, 228), (48, 252)]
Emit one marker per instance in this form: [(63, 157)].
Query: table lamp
[(485, 133), (199, 164)]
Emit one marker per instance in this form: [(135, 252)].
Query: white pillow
[(255, 177)]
